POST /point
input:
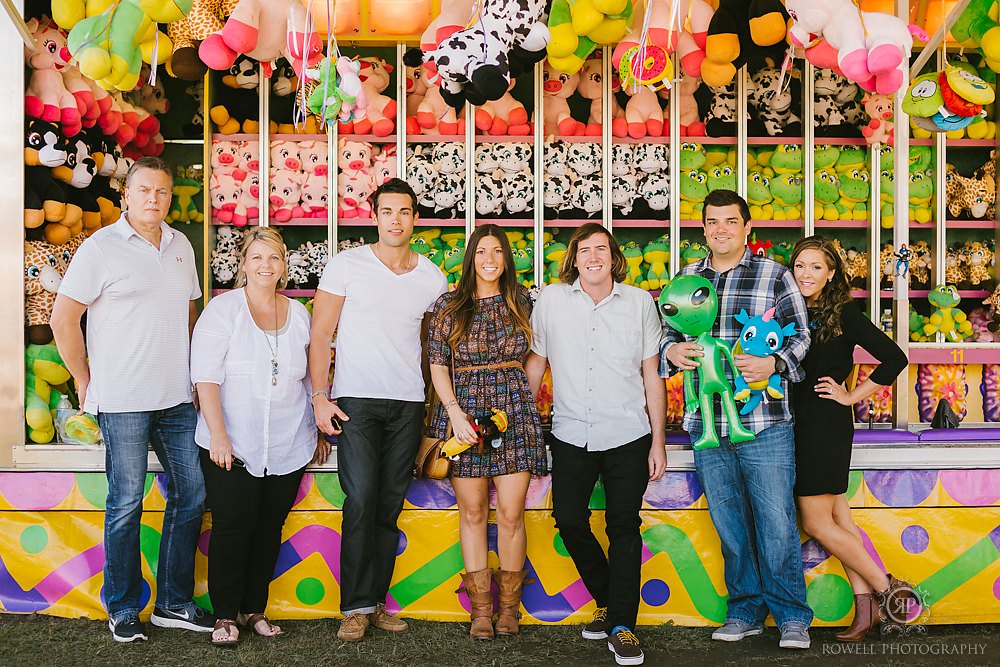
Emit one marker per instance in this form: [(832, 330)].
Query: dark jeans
[(613, 580), (749, 491), (247, 515), (127, 436), (375, 460)]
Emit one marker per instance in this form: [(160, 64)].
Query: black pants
[(247, 515), (613, 580), (375, 459)]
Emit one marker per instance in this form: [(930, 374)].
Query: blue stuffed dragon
[(761, 336)]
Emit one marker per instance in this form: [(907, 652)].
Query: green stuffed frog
[(947, 318)]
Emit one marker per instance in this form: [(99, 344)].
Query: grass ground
[(31, 641)]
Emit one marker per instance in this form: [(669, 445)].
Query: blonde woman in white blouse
[(256, 429)]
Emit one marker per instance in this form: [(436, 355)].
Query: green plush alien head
[(923, 98), (787, 159), (693, 156), (942, 296), (689, 304)]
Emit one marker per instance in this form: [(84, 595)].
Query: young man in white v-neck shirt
[(375, 298)]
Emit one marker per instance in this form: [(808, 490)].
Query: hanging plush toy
[(204, 19), (47, 97), (872, 48), (112, 45), (737, 28), (475, 64), (337, 95), (690, 305), (579, 27), (680, 26)]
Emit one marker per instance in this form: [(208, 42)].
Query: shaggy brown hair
[(568, 273)]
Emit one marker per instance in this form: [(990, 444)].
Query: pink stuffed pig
[(248, 203), (353, 190), (880, 128), (315, 193), (225, 192), (313, 155), (384, 166), (286, 194), (285, 155), (225, 159), (354, 155), (558, 86)]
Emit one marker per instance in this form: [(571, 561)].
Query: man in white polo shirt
[(375, 298), (602, 340), (137, 282)]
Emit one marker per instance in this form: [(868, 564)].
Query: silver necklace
[(405, 267), (274, 348)]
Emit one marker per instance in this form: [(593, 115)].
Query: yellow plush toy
[(578, 27)]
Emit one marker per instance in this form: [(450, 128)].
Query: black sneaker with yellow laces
[(625, 646), (598, 626)]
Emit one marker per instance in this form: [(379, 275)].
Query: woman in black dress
[(476, 343), (824, 428)]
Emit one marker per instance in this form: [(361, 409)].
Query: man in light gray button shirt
[(609, 419)]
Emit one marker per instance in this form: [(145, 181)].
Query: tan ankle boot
[(511, 584), (477, 587), (866, 616), (895, 603)]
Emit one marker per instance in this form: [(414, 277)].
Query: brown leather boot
[(477, 587), (866, 616), (511, 584), (895, 602)]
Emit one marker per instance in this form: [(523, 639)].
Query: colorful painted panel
[(52, 564)]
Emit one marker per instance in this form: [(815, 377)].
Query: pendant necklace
[(274, 348)]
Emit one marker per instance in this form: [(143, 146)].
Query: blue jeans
[(749, 491), (127, 436)]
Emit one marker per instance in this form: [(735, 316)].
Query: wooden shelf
[(773, 141), (300, 222), (507, 222), (971, 143), (773, 224), (921, 142), (845, 224), (572, 222), (239, 136), (635, 223), (631, 140), (527, 138), (934, 353), (970, 224), (252, 223), (964, 293), (434, 138), (841, 141), (859, 294), (299, 137)]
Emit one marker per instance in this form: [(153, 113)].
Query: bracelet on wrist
[(453, 402), (321, 392)]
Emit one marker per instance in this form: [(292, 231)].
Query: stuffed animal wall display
[(235, 108), (477, 63)]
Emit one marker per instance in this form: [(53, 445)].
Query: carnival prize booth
[(628, 117)]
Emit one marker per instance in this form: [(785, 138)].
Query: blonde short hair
[(270, 237)]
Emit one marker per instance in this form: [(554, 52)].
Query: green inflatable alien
[(690, 305)]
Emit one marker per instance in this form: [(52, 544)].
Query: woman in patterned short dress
[(481, 333)]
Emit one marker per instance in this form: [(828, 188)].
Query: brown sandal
[(229, 626), (251, 621)]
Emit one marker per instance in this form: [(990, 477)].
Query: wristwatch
[(779, 365)]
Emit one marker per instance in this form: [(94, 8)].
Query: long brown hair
[(836, 293), (568, 272), (462, 306)]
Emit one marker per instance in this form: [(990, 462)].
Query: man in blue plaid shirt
[(749, 485)]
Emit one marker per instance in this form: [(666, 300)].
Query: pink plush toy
[(354, 155), (225, 192), (285, 155), (691, 123), (286, 194), (505, 116), (879, 128), (695, 16), (416, 88), (130, 120), (353, 190), (872, 48), (643, 114), (380, 113), (248, 155), (86, 100), (47, 97), (225, 159), (591, 88), (315, 191), (264, 30), (557, 88), (248, 203), (454, 16), (313, 156), (435, 116), (384, 165)]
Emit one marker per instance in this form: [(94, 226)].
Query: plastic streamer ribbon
[(155, 58), (785, 78)]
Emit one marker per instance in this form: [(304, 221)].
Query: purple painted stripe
[(307, 541), (995, 537), (576, 594), (72, 573)]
